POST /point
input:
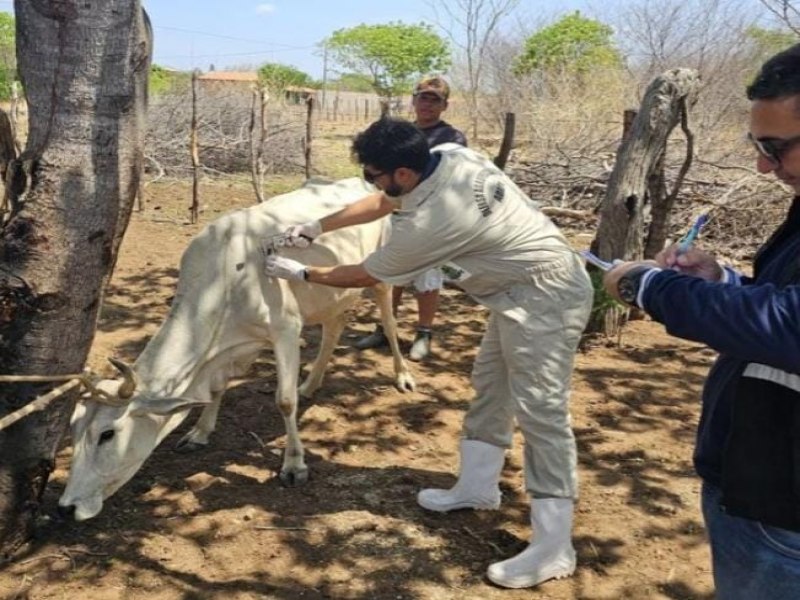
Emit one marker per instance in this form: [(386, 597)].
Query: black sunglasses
[(428, 97), (371, 177), (773, 149)]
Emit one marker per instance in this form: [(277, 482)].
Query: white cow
[(225, 311)]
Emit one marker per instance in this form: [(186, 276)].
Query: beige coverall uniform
[(490, 239)]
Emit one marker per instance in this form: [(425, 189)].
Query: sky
[(198, 33), (193, 34)]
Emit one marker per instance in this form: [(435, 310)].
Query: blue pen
[(686, 241)]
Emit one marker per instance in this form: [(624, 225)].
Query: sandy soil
[(218, 524)]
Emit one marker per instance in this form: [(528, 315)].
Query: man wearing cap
[(430, 101)]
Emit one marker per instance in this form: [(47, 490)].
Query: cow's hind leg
[(331, 332), (287, 361), (197, 438), (403, 379)]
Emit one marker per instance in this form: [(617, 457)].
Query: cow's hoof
[(405, 383), (306, 390), (294, 478), (186, 445)]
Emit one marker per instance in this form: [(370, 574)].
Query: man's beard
[(393, 190)]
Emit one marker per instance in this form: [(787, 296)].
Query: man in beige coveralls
[(452, 208)]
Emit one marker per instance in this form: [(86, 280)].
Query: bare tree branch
[(471, 26), (786, 11)]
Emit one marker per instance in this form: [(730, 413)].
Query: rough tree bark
[(663, 202), (620, 232), (84, 68)]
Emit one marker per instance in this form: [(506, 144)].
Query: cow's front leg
[(287, 361), (197, 437)]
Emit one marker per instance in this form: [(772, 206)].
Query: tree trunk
[(84, 67), (663, 202), (659, 210), (619, 234), (620, 231)]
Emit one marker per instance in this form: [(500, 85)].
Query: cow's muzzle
[(66, 512)]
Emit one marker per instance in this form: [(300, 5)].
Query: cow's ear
[(164, 406)]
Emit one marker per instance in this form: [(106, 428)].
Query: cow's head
[(112, 436)]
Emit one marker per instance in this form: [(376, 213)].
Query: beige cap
[(433, 85)]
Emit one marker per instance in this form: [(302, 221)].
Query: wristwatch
[(629, 284)]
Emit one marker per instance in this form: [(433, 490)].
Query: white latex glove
[(301, 236), (285, 268)]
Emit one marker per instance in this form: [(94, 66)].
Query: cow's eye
[(107, 435)]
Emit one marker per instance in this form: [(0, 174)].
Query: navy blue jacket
[(756, 322)]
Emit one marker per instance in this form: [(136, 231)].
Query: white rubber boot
[(477, 485), (550, 554)]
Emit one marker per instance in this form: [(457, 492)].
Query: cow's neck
[(174, 363)]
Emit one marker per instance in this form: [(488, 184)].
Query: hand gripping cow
[(226, 310)]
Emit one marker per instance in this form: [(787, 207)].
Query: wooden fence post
[(195, 208), (307, 141), (258, 114), (508, 141)]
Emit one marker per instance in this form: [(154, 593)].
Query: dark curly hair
[(779, 77), (390, 144)]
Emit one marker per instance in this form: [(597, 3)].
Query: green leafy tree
[(8, 60), (768, 42), (277, 77), (392, 55), (164, 81), (353, 82), (574, 43)]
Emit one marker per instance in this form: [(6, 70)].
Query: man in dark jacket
[(748, 442)]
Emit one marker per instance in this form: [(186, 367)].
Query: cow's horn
[(129, 385)]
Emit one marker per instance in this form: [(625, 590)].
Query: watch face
[(629, 284), (628, 288)]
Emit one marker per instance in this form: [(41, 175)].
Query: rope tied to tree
[(87, 379)]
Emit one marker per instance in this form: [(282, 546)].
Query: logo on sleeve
[(488, 189)]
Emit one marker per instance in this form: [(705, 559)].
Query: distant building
[(227, 80), (298, 95)]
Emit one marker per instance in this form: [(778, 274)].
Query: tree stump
[(620, 233)]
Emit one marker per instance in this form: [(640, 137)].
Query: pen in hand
[(686, 241)]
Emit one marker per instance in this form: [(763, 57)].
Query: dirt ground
[(218, 524)]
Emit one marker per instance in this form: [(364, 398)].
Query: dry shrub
[(568, 129), (223, 133), (568, 132)]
